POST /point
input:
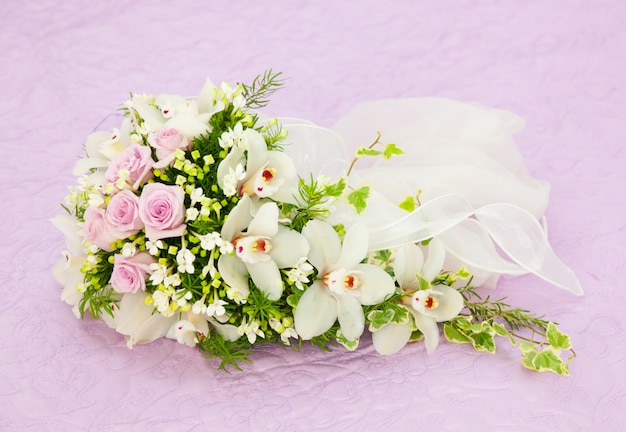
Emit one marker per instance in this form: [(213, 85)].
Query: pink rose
[(129, 273), (162, 210), (166, 143), (97, 229), (137, 160), (122, 214)]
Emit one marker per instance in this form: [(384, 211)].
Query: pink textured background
[(560, 64)]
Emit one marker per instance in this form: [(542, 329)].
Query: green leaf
[(401, 315), (365, 151), (463, 322), (358, 198), (337, 188), (379, 319), (502, 331), (529, 357), (348, 344), (423, 283), (453, 334), (390, 150), (408, 204), (557, 339), (548, 360), (416, 336), (526, 347), (484, 340)]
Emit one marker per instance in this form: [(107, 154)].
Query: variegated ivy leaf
[(547, 360), (390, 150), (408, 204), (557, 339), (423, 283), (482, 337), (453, 334), (379, 318), (401, 315), (349, 345), (502, 331), (365, 151), (358, 198), (337, 188), (416, 336)]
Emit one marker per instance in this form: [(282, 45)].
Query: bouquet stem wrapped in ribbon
[(204, 221)]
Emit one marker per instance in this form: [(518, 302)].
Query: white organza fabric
[(477, 196)]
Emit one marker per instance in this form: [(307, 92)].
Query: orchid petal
[(434, 260), (234, 273), (265, 222), (288, 247), (238, 219), (316, 312), (188, 125), (93, 143), (391, 338), (376, 284), (227, 331), (205, 98), (408, 262), (428, 326), (266, 277), (153, 120), (351, 318), (69, 227), (449, 304), (257, 151), (232, 159), (324, 242), (354, 247), (84, 165)]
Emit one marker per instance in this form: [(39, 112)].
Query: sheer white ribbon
[(478, 197)]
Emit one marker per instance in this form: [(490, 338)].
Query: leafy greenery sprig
[(257, 94), (487, 318)]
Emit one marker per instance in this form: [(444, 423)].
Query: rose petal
[(391, 338), (316, 312)]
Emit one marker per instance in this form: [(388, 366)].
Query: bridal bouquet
[(203, 221)]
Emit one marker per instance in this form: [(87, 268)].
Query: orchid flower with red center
[(268, 173), (428, 306), (345, 285), (262, 246)]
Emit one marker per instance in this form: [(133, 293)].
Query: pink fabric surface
[(559, 64)]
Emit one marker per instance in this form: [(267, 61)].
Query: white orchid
[(268, 173), (261, 247), (428, 304), (345, 284)]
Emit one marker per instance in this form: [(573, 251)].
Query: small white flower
[(209, 241), (216, 308), (129, 249), (232, 179), (185, 260), (196, 196), (299, 274), (192, 214), (161, 301), (235, 295), (289, 332), (251, 330), (153, 247), (159, 273), (172, 280), (199, 307)]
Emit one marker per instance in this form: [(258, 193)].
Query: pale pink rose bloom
[(166, 143), (129, 273), (137, 160), (162, 210), (122, 214), (97, 229)]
